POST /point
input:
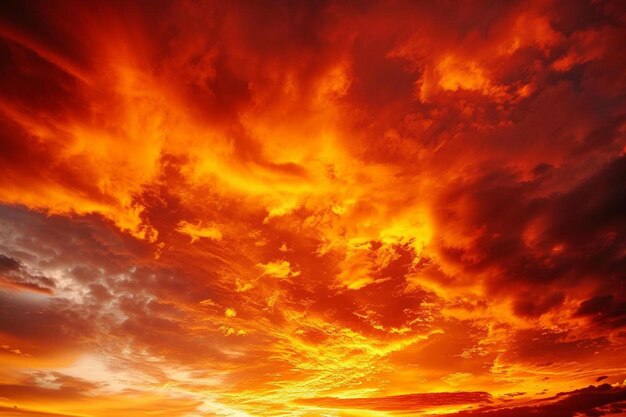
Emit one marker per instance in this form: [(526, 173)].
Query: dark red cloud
[(15, 411), (590, 401)]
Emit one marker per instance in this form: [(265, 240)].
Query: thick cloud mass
[(318, 208)]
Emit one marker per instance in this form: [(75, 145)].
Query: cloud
[(586, 401), (14, 276), (197, 231), (18, 412), (222, 208), (404, 403), (278, 269), (604, 309)]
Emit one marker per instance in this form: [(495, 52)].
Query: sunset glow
[(312, 208)]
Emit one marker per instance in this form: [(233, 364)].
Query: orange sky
[(312, 208)]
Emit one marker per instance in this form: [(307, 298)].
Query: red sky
[(312, 208)]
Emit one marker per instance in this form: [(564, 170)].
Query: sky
[(312, 208)]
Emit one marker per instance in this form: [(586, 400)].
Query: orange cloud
[(244, 209), (278, 269)]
